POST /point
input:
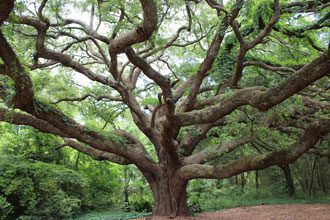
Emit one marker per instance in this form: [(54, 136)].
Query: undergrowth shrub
[(42, 190)]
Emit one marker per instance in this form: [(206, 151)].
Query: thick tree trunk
[(170, 196)]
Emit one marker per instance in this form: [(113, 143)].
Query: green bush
[(41, 190), (141, 202), (5, 207), (103, 181)]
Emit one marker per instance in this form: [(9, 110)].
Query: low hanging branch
[(305, 142), (17, 118), (96, 97), (96, 154)]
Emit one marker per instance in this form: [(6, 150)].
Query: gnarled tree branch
[(261, 98), (280, 157)]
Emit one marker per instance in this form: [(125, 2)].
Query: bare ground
[(263, 212)]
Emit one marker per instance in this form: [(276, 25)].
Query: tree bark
[(168, 203), (170, 195), (6, 6)]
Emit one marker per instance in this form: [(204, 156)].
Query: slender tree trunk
[(288, 179), (127, 206), (257, 179), (319, 176), (312, 176), (322, 179), (242, 182), (76, 164)]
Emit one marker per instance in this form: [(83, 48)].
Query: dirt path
[(265, 212)]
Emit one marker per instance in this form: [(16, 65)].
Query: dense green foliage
[(41, 190)]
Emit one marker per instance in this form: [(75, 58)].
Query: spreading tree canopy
[(198, 80)]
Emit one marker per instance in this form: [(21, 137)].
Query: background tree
[(183, 70)]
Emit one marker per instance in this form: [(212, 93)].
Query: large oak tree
[(181, 68)]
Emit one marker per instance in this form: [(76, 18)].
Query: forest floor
[(263, 212)]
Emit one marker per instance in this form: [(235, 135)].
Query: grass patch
[(109, 215), (232, 202)]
